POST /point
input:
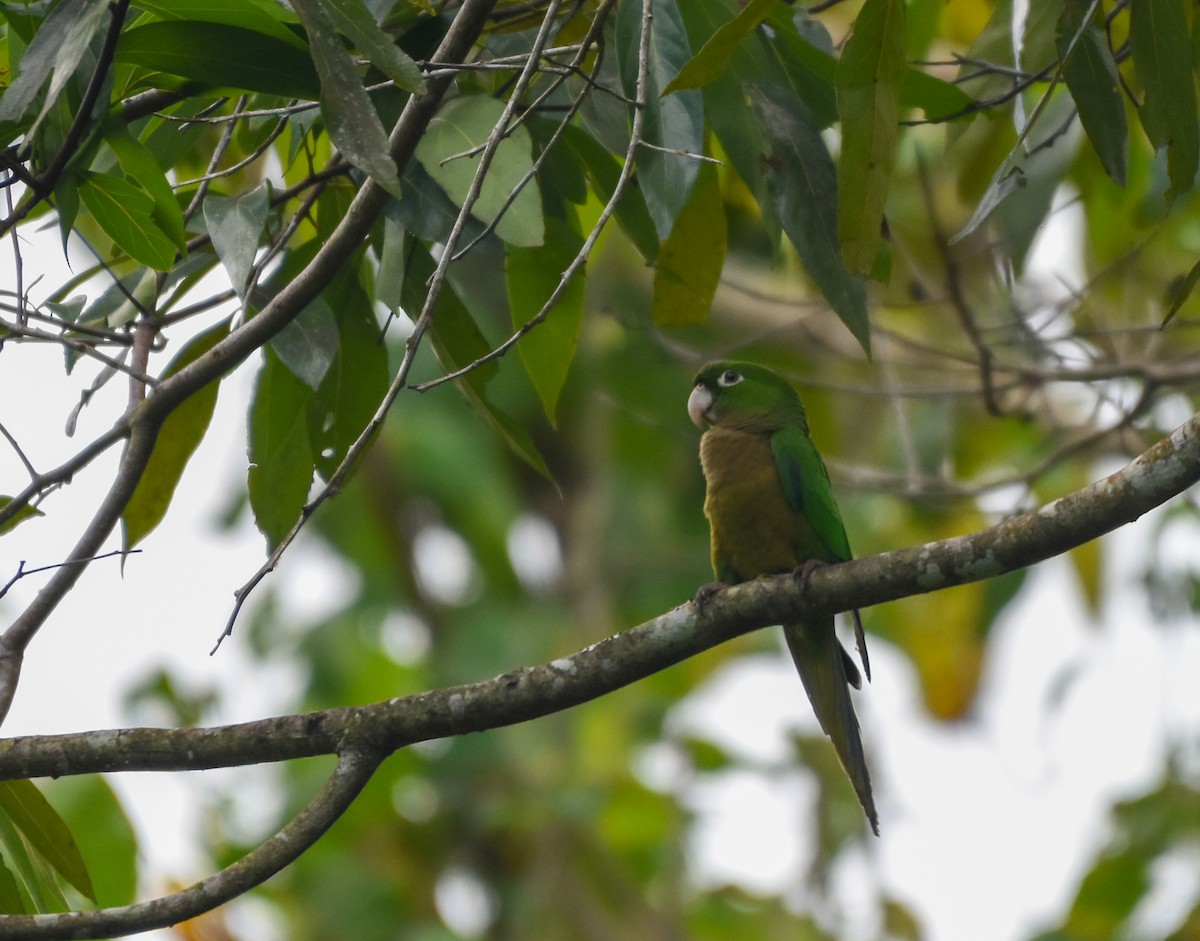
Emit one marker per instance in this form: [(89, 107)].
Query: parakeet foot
[(707, 593), (803, 572)]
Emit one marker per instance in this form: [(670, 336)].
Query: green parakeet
[(770, 509)]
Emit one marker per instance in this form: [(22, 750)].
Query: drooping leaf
[(222, 56), (177, 440), (139, 166), (532, 274), (603, 171), (355, 382), (674, 126), (1162, 55), (105, 836), (126, 214), (26, 512), (355, 20), (1181, 292), (461, 127), (309, 343), (714, 56), (281, 455), (458, 342), (46, 832), (803, 183), (350, 117), (1091, 76), (235, 225), (689, 266), (869, 74)]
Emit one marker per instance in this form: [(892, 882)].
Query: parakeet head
[(745, 396)]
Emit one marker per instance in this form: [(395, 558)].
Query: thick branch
[(1164, 471)]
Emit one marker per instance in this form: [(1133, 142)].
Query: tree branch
[(142, 423), (353, 771), (1150, 480)]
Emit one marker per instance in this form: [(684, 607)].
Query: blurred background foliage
[(521, 522)]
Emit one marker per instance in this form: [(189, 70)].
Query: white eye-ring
[(729, 378)]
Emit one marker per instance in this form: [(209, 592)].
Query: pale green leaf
[(350, 117), (449, 153), (177, 440), (355, 382), (674, 126), (308, 344), (46, 832), (281, 455), (1162, 55), (803, 184), (355, 21), (532, 274), (714, 56), (689, 266), (1091, 76), (126, 214), (235, 225), (260, 16), (868, 81), (141, 168), (26, 512), (458, 343)]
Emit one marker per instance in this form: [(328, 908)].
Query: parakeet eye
[(729, 378)]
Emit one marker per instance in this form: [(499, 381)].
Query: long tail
[(822, 663)]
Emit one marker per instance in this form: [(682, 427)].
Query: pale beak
[(699, 403)]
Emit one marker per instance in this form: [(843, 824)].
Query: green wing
[(806, 486)]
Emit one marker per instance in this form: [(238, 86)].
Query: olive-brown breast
[(755, 531)]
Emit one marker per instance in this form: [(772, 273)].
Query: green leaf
[(26, 512), (458, 342), (393, 255), (235, 225), (259, 16), (868, 96), (689, 267), (1091, 76), (1180, 293), (106, 838), (463, 125), (126, 214), (222, 56), (281, 455), (803, 183), (46, 832), (307, 346), (355, 21), (355, 382), (714, 56), (55, 53), (140, 167), (603, 171), (11, 902), (532, 274), (676, 123), (180, 435), (350, 118), (1162, 55)]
